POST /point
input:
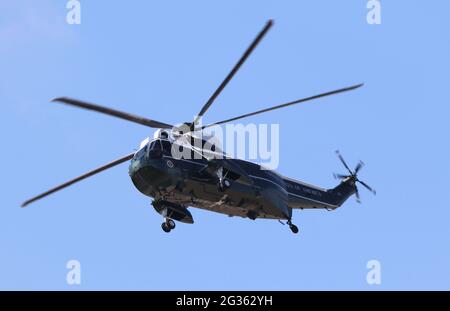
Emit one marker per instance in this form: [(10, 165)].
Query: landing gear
[(168, 225), (171, 224), (222, 183), (165, 227), (252, 215), (293, 227)]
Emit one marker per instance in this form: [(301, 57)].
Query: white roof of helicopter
[(171, 136)]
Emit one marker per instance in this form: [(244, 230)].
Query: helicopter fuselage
[(191, 182)]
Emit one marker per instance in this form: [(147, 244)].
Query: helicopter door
[(166, 147)]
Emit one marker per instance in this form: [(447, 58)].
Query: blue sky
[(163, 61)]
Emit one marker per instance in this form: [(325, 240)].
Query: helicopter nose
[(138, 161), (134, 167), (148, 176)]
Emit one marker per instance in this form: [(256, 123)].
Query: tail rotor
[(352, 177)]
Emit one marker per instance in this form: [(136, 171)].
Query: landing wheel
[(294, 228), (171, 224), (165, 227)]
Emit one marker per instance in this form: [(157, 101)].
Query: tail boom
[(305, 196)]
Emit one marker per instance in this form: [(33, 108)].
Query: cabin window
[(167, 147), (231, 175)]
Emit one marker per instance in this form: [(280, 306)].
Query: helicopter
[(221, 184)]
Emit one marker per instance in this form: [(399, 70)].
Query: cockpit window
[(141, 153), (155, 145), (154, 149)]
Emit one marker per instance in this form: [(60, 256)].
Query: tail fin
[(340, 193)]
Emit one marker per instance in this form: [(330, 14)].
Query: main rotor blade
[(358, 199), (93, 172), (285, 105), (340, 176), (112, 112), (234, 70), (359, 166), (343, 162), (367, 186)]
